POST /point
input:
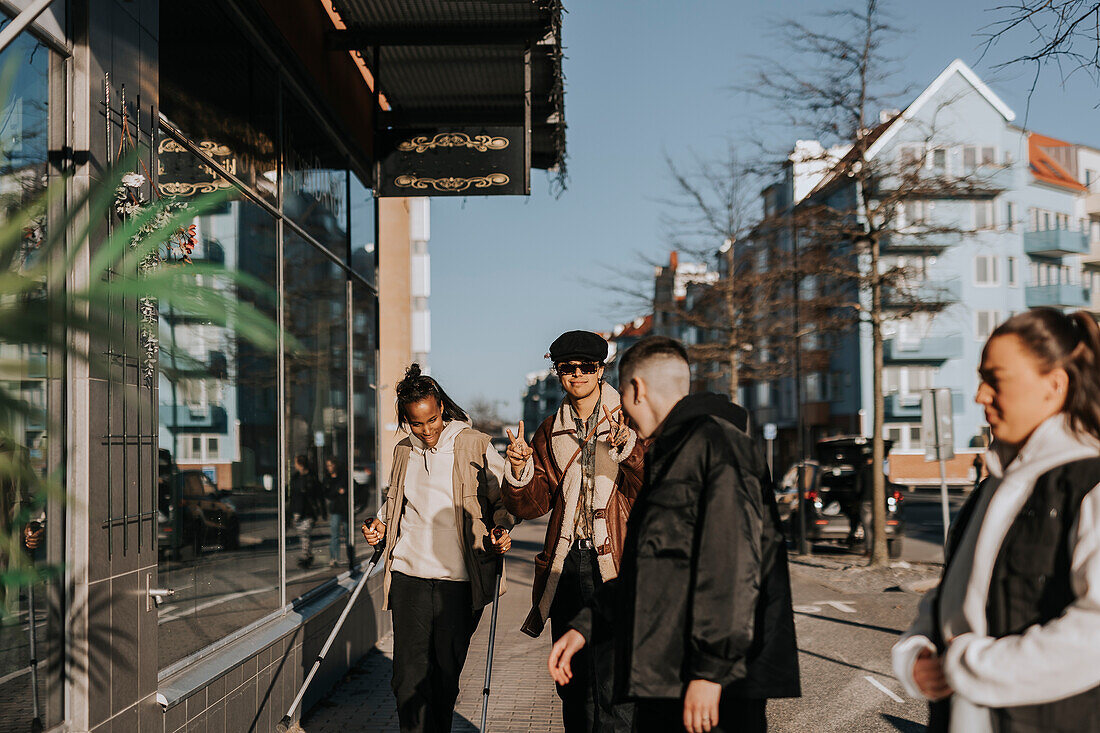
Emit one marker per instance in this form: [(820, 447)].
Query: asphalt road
[(847, 618)]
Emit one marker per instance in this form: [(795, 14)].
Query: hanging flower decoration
[(176, 249)]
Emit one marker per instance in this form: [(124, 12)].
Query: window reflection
[(23, 437), (219, 92), (316, 410), (217, 501), (364, 365), (362, 231), (315, 182)]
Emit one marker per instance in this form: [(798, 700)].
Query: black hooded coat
[(704, 590)]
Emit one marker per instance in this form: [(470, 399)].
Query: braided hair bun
[(417, 386)]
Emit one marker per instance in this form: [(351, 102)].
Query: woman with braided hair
[(445, 528), (1008, 640)]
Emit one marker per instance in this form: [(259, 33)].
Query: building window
[(983, 215), (986, 271), (763, 394), (1013, 274), (939, 161), (985, 321), (970, 158), (1010, 216)]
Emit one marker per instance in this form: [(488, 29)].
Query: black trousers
[(432, 625), (586, 705), (734, 716)]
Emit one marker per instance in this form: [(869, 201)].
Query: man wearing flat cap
[(583, 466)]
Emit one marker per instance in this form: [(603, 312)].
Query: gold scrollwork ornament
[(452, 184), (480, 143)]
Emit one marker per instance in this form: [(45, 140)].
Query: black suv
[(837, 491)]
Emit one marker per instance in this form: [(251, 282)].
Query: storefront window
[(315, 182), (364, 372), (316, 412), (24, 614), (362, 231), (220, 93), (217, 489)]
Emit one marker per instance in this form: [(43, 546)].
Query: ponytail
[(416, 387), (1083, 367), (1072, 342)]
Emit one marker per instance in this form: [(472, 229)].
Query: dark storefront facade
[(175, 471)]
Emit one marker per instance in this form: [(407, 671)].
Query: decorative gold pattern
[(452, 184), (211, 148), (178, 188), (480, 143)]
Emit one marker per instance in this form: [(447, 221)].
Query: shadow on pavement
[(884, 629), (844, 664), (903, 725), (368, 703)]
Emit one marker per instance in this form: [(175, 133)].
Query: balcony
[(1091, 259), (907, 406), (925, 292), (1059, 295), (930, 349), (1056, 243), (195, 419)]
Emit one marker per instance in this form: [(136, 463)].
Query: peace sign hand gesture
[(620, 433), (518, 452)]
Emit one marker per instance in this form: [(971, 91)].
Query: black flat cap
[(578, 346)]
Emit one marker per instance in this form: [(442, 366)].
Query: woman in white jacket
[(1010, 639)]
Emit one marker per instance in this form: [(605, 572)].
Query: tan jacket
[(478, 508)]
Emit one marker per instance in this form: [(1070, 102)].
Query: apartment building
[(1029, 235)]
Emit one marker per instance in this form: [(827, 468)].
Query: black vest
[(1031, 585)]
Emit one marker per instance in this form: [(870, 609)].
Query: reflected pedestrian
[(441, 559), (306, 497), (1008, 640), (702, 606), (336, 495), (979, 467), (584, 468)]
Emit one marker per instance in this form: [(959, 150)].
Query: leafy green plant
[(131, 258)]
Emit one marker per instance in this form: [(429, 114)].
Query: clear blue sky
[(644, 77)]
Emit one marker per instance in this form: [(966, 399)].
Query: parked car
[(837, 494), (192, 513)]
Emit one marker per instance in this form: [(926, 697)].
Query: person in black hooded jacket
[(701, 608)]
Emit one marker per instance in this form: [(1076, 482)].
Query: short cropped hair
[(648, 348)]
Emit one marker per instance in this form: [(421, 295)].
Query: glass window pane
[(315, 181), (24, 117), (362, 230), (220, 93), (217, 504), (364, 372), (316, 411)]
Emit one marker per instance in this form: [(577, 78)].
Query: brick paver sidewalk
[(523, 699)]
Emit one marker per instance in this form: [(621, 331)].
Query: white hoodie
[(1046, 662), (429, 545)]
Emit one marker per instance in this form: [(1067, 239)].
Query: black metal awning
[(464, 62)]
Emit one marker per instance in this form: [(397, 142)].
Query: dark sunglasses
[(565, 369)]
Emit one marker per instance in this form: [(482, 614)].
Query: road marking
[(17, 673), (209, 604), (815, 607), (189, 610), (883, 688)]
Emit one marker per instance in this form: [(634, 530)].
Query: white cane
[(285, 723), (492, 638)]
